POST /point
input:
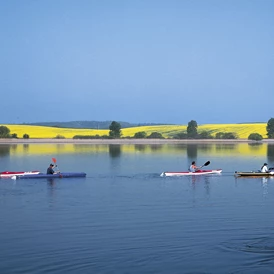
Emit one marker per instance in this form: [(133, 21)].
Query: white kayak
[(187, 173), (9, 174)]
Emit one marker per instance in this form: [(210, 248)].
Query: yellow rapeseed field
[(51, 132), (168, 131)]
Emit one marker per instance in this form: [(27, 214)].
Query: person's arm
[(56, 171)]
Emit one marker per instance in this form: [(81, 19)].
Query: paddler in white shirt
[(264, 168), (193, 167)]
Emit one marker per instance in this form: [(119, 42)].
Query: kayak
[(50, 176), (187, 173), (8, 174), (254, 173)]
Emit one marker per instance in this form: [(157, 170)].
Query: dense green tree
[(255, 137), (180, 135), (140, 135), (14, 135), (205, 135), (270, 128), (219, 135), (226, 135), (59, 136), (25, 136), (115, 130), (4, 132), (91, 137), (155, 135), (230, 135), (192, 131)]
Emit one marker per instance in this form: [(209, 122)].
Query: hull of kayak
[(187, 173), (254, 174), (51, 176), (9, 174)]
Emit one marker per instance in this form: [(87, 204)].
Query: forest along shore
[(131, 141)]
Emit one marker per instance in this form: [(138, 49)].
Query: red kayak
[(185, 173), (9, 174)]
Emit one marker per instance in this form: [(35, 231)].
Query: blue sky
[(148, 61)]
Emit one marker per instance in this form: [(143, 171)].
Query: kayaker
[(50, 169), (264, 168), (193, 167)]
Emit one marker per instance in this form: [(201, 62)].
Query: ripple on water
[(257, 253), (259, 245)]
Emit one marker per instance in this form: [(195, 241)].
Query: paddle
[(205, 164), (54, 161)]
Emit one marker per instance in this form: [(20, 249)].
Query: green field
[(168, 131)]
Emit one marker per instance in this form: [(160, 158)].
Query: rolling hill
[(168, 131)]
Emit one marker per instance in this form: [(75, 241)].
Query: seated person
[(193, 167), (264, 168), (50, 169)]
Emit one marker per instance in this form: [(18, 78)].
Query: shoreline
[(131, 141)]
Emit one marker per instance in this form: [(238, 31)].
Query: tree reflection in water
[(114, 151), (4, 150), (191, 151), (270, 154)]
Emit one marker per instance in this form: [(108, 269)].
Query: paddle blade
[(207, 163), (54, 160)]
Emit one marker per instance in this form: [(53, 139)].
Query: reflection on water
[(114, 151), (204, 180), (51, 181), (4, 150), (192, 151), (13, 147), (156, 147), (124, 218), (205, 147), (255, 145), (265, 186), (25, 147), (225, 147), (270, 153), (140, 148)]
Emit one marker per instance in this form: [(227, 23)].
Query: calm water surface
[(124, 218)]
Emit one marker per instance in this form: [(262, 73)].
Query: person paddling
[(264, 168), (50, 169), (193, 167)]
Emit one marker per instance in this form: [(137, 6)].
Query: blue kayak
[(49, 176)]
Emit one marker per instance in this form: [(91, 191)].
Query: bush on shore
[(255, 137), (91, 137), (226, 135)]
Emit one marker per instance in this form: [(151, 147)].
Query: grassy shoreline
[(130, 141)]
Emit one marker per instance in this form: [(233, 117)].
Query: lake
[(124, 218)]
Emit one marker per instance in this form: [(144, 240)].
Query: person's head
[(265, 164), (193, 163), (51, 165)]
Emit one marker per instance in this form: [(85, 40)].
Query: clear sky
[(139, 61)]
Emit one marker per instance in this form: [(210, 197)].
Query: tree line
[(115, 132), (191, 133), (5, 133)]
